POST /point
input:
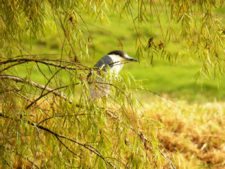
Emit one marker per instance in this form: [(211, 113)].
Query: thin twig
[(42, 61), (168, 159), (66, 146), (59, 116), (37, 85), (43, 95)]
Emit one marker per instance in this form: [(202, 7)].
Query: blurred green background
[(178, 76)]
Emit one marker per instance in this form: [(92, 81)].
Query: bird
[(105, 70)]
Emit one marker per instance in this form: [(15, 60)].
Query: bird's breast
[(116, 69)]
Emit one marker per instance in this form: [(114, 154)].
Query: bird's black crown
[(117, 52)]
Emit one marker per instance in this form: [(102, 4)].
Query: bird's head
[(120, 56)]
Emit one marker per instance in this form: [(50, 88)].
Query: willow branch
[(37, 85), (18, 61), (59, 136)]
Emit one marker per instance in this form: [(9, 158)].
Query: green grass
[(176, 79), (179, 81)]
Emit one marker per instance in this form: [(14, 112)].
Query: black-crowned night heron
[(106, 68)]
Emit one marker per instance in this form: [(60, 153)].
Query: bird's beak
[(127, 57)]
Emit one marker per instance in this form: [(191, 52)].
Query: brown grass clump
[(192, 134)]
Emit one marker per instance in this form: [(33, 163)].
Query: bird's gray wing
[(98, 86), (102, 65), (104, 62)]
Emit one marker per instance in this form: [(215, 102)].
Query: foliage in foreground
[(194, 23), (58, 125), (187, 135), (54, 124), (50, 130)]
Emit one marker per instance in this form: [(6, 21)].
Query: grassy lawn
[(179, 81)]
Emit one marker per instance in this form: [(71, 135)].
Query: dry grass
[(192, 134)]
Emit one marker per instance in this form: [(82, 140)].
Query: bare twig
[(43, 95), (59, 116), (66, 146), (172, 166)]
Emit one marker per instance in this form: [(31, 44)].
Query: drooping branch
[(55, 63), (39, 86)]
